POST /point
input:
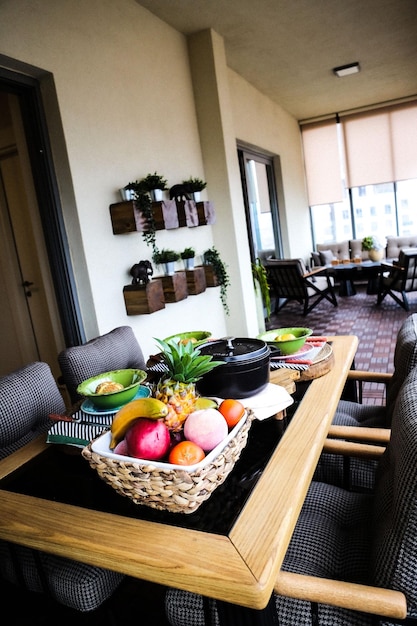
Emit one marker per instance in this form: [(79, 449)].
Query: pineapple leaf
[(184, 362)]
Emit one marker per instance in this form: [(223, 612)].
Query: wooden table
[(241, 567)]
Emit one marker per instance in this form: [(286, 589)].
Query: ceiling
[(288, 48)]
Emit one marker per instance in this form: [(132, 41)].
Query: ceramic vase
[(375, 255)]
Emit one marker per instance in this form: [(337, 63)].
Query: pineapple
[(186, 365)]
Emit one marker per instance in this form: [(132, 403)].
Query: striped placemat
[(81, 430)]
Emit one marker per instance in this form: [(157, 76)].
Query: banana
[(142, 407)]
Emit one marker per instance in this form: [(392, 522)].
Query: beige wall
[(125, 95)]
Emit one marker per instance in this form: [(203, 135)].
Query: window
[(376, 154)]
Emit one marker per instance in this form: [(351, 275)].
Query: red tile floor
[(375, 326)]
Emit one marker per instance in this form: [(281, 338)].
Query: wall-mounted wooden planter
[(174, 287), (211, 278), (142, 299), (196, 281), (126, 217)]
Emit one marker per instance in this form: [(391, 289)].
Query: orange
[(186, 453), (232, 411)]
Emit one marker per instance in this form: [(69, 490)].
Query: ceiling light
[(345, 70)]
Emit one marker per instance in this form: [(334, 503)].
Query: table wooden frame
[(240, 568)]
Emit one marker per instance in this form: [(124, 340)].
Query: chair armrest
[(353, 449), (360, 433), (365, 598), (370, 377), (316, 270)]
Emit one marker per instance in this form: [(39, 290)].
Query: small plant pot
[(375, 255), (196, 196), (189, 263), (169, 268), (127, 194), (157, 195)]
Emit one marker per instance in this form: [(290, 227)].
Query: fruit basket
[(167, 487)]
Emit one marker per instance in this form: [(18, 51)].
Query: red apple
[(148, 439)]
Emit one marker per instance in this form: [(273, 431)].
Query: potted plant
[(154, 184), (212, 257), (166, 258), (374, 247), (188, 255), (260, 282), (194, 186)]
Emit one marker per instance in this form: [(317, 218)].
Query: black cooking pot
[(245, 371)]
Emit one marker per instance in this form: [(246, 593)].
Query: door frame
[(245, 153), (28, 90)]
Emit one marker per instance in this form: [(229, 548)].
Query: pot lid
[(235, 349)]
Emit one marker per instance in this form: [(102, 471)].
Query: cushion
[(326, 257)]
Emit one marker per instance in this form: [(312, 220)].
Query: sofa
[(350, 249)]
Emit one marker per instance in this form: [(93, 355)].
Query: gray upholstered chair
[(399, 278), (362, 472), (27, 397), (290, 280), (117, 349), (352, 555)]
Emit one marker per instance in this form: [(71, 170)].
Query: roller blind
[(378, 146), (322, 162)]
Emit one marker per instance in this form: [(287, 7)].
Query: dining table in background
[(239, 566)]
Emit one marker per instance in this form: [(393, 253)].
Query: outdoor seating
[(27, 397), (400, 279), (290, 280), (118, 349), (352, 555)]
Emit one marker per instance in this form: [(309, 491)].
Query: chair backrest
[(405, 359), (394, 525), (396, 244), (27, 396), (286, 278), (408, 260), (118, 349)]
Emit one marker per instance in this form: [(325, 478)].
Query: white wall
[(127, 107)]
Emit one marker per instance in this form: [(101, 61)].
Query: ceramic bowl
[(286, 346), (129, 378), (197, 337)]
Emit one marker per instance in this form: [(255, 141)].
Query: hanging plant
[(144, 204), (259, 274), (212, 257)]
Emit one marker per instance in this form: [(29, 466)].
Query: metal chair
[(401, 278), (290, 280), (27, 397), (118, 349), (352, 558)]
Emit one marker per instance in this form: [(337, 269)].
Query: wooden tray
[(321, 365)]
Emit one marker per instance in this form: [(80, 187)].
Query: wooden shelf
[(175, 287), (196, 281), (143, 299), (126, 217)]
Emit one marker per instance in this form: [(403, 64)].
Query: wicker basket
[(175, 490)]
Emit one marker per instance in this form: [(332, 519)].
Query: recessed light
[(345, 70)]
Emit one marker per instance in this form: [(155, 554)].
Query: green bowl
[(129, 378), (198, 337), (289, 346)]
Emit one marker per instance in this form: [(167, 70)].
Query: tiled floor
[(375, 326)]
